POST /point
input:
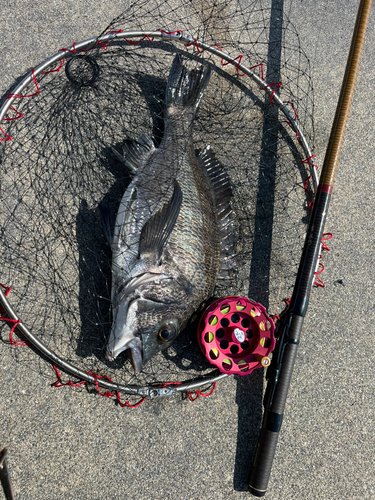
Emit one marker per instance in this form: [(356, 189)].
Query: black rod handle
[(261, 471), (274, 411)]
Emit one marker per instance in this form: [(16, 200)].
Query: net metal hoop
[(187, 41)]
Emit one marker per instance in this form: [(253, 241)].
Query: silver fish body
[(166, 242)]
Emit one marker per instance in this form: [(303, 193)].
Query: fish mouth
[(135, 353), (125, 335)]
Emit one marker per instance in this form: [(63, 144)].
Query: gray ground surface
[(67, 444)]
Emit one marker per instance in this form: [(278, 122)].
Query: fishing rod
[(280, 371)]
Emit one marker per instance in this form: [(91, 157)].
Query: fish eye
[(167, 333)]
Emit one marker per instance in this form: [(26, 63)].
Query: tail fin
[(185, 88)]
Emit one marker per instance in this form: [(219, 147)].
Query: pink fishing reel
[(236, 335)]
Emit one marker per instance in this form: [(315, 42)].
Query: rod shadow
[(249, 389)]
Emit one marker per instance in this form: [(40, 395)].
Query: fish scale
[(195, 243)]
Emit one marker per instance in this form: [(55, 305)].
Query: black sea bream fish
[(171, 230)]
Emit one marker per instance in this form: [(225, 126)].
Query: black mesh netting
[(59, 170)]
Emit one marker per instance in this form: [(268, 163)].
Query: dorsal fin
[(157, 229), (135, 151), (219, 179), (223, 194)]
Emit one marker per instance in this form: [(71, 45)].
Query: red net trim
[(19, 115), (7, 137), (15, 322), (58, 382), (277, 85), (260, 65), (326, 237), (20, 96), (318, 281), (239, 58), (61, 64), (106, 394), (308, 161), (198, 393), (291, 104), (171, 383)]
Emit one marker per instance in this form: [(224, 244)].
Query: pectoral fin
[(157, 229), (134, 152)]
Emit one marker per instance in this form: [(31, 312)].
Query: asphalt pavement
[(65, 443)]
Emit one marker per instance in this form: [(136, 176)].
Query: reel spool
[(236, 335)]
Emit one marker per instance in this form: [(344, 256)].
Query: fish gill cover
[(59, 170)]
